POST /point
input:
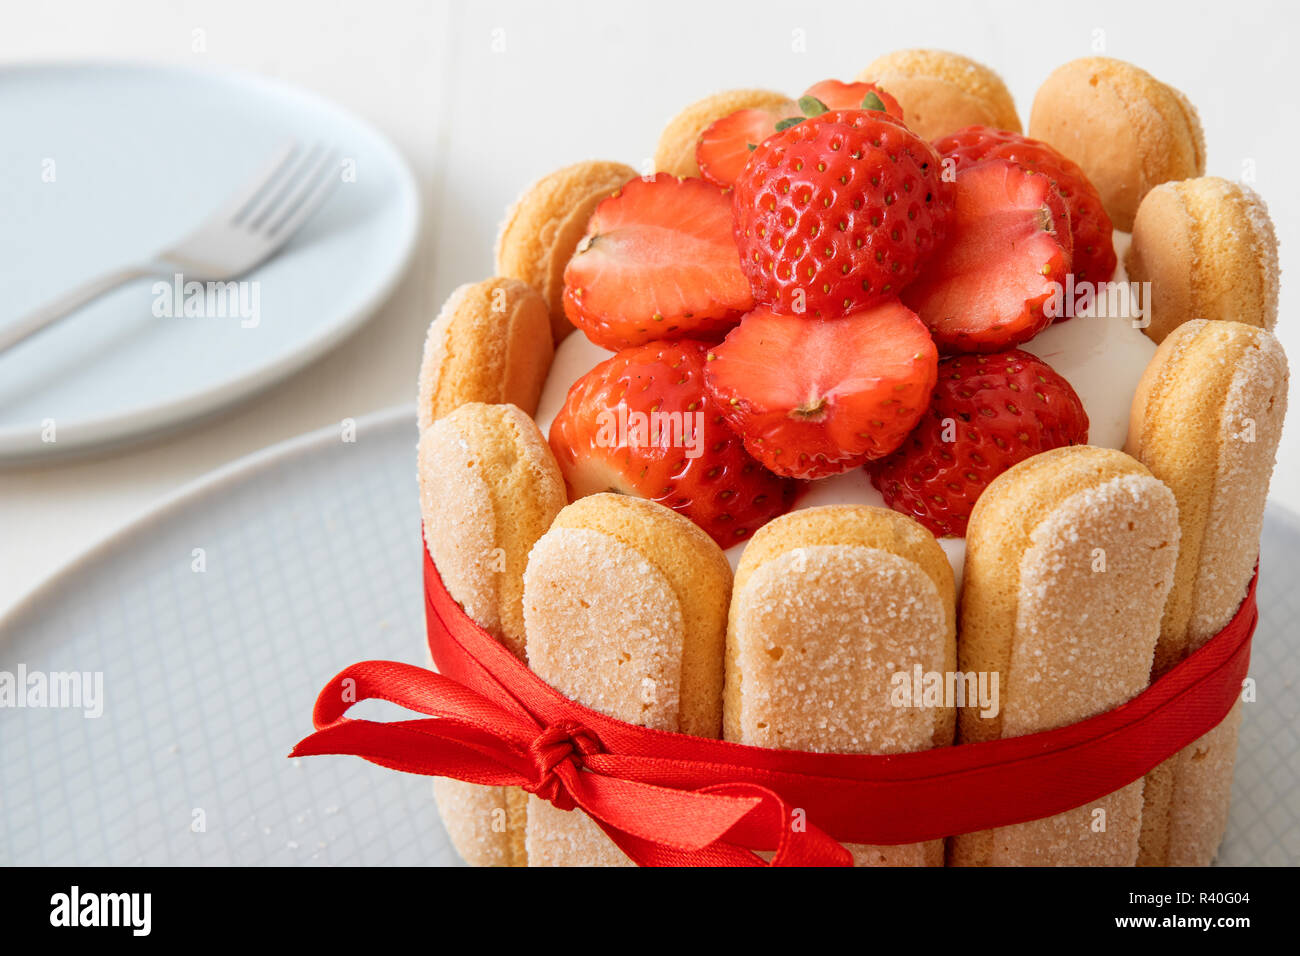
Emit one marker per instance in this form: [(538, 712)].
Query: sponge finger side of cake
[(942, 92), (1069, 557), (625, 604), (489, 488), (1209, 250), (1125, 128), (834, 610), (490, 343), (1207, 418)]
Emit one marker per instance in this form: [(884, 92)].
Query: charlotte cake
[(863, 333)]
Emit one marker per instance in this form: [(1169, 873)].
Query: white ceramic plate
[(312, 557), (102, 165)]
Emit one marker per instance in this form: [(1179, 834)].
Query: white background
[(577, 81)]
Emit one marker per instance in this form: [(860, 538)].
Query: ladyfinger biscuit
[(1208, 248), (490, 343), (831, 604), (489, 488), (625, 603), (942, 92), (1207, 417), (676, 150), (1069, 557), (543, 227), (1127, 130)]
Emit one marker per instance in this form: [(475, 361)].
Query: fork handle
[(31, 323)]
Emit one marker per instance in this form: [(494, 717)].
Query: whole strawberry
[(641, 423), (1094, 248), (988, 412), (838, 212)]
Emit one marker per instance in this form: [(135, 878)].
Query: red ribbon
[(669, 799)]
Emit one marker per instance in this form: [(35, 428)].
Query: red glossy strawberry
[(641, 423), (726, 145), (853, 96), (838, 213), (988, 413), (1090, 227), (816, 397), (658, 261), (1008, 247)]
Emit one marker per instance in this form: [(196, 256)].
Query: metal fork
[(248, 229)]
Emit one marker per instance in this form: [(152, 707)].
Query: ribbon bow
[(472, 737), (669, 799)]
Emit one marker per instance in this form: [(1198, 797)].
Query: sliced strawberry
[(641, 423), (724, 147), (988, 413), (1007, 248), (1090, 227), (853, 96), (658, 262), (816, 397)]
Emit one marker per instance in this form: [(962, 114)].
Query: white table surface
[(484, 98)]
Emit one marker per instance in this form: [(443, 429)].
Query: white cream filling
[(1101, 357)]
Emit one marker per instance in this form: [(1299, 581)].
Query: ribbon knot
[(561, 745)]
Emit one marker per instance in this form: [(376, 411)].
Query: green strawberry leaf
[(787, 123), (812, 106), (752, 146), (873, 102)]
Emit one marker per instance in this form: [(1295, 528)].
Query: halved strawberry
[(1007, 248), (988, 413), (816, 397), (641, 423), (1090, 227), (854, 96), (725, 146), (658, 262)]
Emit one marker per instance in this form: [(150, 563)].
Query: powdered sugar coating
[(1081, 646), (604, 627), (820, 632), (1264, 236), (1250, 427), (459, 523)]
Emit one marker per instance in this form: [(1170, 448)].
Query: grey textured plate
[(311, 553)]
